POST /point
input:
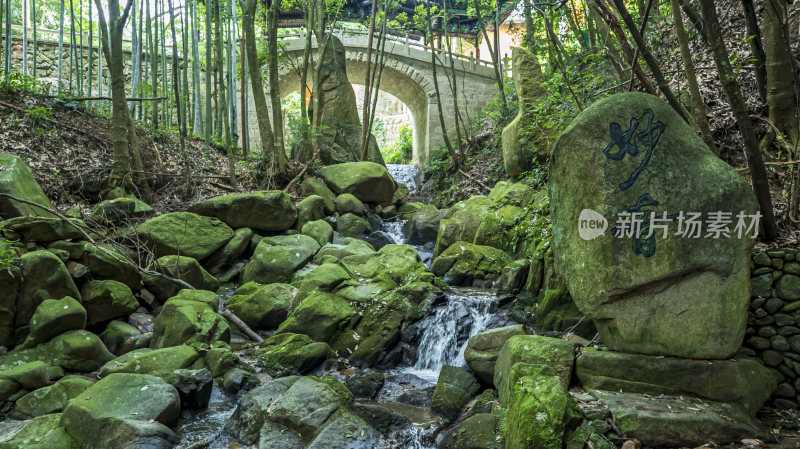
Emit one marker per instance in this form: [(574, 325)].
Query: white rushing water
[(447, 330), (405, 174)]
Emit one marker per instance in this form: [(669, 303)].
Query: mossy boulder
[(277, 258), (16, 179), (120, 338), (454, 388), (119, 210), (540, 408), (662, 295), (392, 266), (477, 432), (310, 209), (231, 251), (522, 142), (744, 381), (29, 375), (54, 317), (190, 318), (43, 432), (262, 306), (300, 412), (319, 230), (347, 203), (75, 350), (424, 224), (461, 221), (289, 354), (348, 247), (350, 225), (513, 277), (368, 181), (313, 186), (106, 300), (463, 263), (123, 410), (184, 268), (185, 234), (44, 277), (319, 316), (270, 210), (157, 362), (328, 277), (43, 229), (10, 284), (52, 398), (104, 262), (532, 349), (484, 348)]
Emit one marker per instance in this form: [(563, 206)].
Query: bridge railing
[(406, 42)]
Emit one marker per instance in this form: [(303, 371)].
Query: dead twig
[(302, 172), (241, 324)]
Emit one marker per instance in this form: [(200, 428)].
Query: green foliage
[(14, 82), (401, 151), (9, 252), (38, 116)]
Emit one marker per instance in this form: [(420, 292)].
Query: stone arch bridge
[(408, 75)]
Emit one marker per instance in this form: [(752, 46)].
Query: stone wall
[(773, 321)]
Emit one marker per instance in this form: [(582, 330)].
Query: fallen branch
[(241, 324), (222, 186), (302, 172), (773, 164), (480, 183), (52, 211)]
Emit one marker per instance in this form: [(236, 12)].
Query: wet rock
[(463, 263), (382, 418), (54, 317), (455, 387), (539, 407), (347, 203), (106, 300), (185, 234), (184, 268), (190, 317), (124, 410), (319, 316), (288, 354), (277, 258), (44, 277), (262, 306), (39, 433), (17, 179), (512, 278), (270, 210), (75, 350), (159, 362), (662, 422), (348, 247), (238, 379), (379, 239), (52, 398), (679, 296), (319, 230), (532, 349), (194, 387), (365, 385), (367, 181), (42, 229), (231, 251), (744, 381), (483, 349), (120, 338), (350, 225), (310, 209)]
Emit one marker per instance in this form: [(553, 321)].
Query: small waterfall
[(466, 313), (405, 174)]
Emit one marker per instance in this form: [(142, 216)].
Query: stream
[(440, 339)]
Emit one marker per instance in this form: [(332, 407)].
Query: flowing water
[(441, 340)]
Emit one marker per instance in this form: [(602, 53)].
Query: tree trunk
[(448, 145), (197, 123), (691, 79), (274, 91), (781, 70), (663, 85), (257, 85), (365, 102), (758, 171), (756, 48), (60, 43), (111, 33)]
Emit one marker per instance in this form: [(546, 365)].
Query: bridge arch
[(407, 76)]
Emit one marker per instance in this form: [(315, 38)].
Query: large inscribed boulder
[(629, 165)]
